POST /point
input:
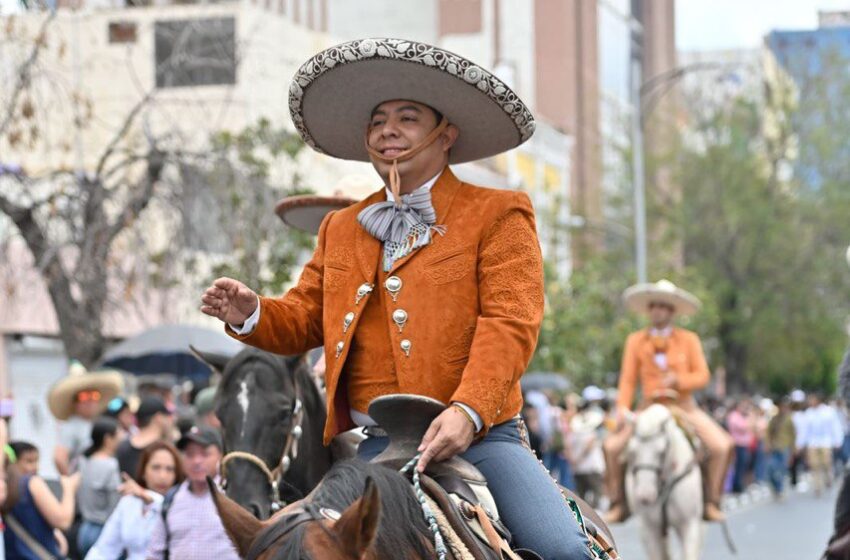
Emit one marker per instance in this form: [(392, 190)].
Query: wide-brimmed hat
[(333, 94), (306, 212), (639, 297), (60, 398)]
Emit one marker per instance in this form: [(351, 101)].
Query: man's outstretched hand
[(229, 300)]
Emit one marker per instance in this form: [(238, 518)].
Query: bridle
[(665, 488), (289, 454), (287, 524)]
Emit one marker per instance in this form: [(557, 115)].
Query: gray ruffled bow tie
[(402, 226)]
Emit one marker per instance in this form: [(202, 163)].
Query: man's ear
[(449, 137)]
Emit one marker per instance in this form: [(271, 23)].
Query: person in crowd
[(26, 456), (32, 514), (101, 477), (556, 458), (76, 400), (190, 528), (532, 423), (586, 435), (759, 453), (155, 424), (798, 416), (780, 441), (119, 409), (205, 408), (741, 424), (128, 530), (824, 434), (545, 425)]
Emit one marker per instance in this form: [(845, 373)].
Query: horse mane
[(402, 528), (650, 420)]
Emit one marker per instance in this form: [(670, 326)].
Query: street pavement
[(796, 529)]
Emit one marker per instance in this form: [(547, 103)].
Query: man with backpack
[(190, 528)]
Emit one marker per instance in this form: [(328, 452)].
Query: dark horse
[(272, 417), (360, 511)]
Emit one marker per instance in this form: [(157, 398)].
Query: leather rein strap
[(289, 454)]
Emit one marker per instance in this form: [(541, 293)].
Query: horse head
[(648, 452), (304, 527), (260, 403)]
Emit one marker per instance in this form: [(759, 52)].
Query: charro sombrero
[(639, 297), (306, 212), (333, 94), (60, 399)]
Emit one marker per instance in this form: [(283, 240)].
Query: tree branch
[(122, 132), (25, 74)]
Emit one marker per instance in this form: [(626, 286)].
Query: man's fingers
[(433, 429), (229, 285), (211, 311), (430, 452), (211, 301)]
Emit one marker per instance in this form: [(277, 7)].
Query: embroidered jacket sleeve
[(628, 374), (292, 324), (510, 278), (697, 375)]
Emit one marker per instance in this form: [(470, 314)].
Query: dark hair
[(103, 426), (20, 447), (148, 453)]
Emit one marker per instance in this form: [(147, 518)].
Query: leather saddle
[(458, 488)]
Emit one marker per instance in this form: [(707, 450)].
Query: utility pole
[(636, 78)]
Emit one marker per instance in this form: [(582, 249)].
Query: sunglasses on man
[(89, 396)]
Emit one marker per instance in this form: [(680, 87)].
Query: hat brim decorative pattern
[(639, 297), (333, 94), (60, 399), (306, 212)]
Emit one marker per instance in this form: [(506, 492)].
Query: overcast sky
[(737, 24)]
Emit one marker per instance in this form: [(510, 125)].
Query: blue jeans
[(777, 468), (760, 463), (87, 536), (558, 464), (742, 465), (530, 503)]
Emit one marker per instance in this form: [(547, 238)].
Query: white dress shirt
[(357, 417), (661, 357)]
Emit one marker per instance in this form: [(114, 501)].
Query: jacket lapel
[(367, 247), (442, 195)]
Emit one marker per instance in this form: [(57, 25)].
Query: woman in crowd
[(98, 493), (741, 425), (129, 528), (31, 512)]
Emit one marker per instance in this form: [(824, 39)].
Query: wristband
[(468, 416)]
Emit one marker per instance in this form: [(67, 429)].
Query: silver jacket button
[(405, 347), (393, 285), (362, 292), (347, 320), (400, 318), (339, 346)]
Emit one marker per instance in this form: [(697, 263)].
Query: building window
[(195, 52), (122, 32)]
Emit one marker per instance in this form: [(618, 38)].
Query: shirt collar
[(429, 184), (667, 331)]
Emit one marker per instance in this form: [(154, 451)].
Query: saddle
[(455, 486)]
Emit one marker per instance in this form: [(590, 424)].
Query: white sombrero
[(639, 297), (334, 93), (60, 399)]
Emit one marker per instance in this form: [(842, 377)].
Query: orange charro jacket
[(471, 303), (685, 359)]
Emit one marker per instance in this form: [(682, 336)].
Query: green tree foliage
[(248, 173)]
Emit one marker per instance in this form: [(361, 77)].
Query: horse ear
[(358, 524), (241, 526), (216, 362)]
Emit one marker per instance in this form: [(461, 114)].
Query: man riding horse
[(430, 286), (665, 360)]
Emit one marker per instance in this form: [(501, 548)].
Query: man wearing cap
[(429, 286), (665, 361), (190, 527), (155, 423)]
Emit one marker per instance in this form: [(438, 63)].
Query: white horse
[(664, 484)]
